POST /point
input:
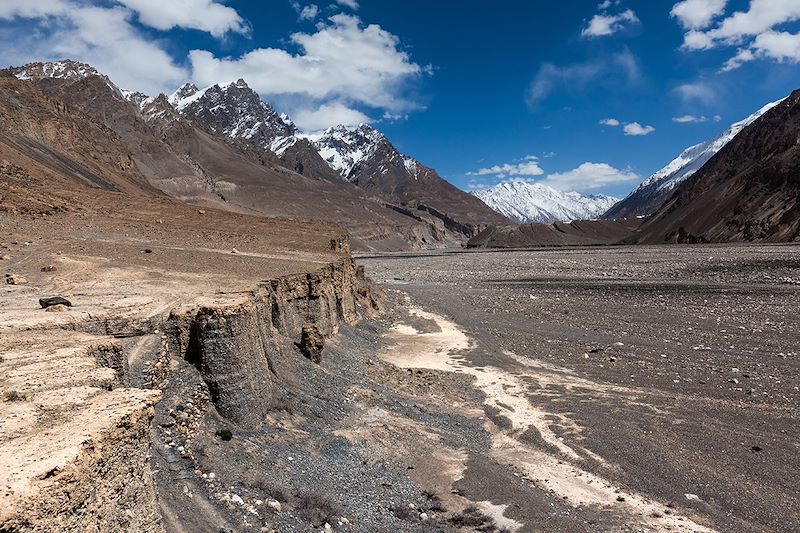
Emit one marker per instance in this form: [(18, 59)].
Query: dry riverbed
[(645, 389)]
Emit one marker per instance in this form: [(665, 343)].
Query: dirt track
[(670, 372)]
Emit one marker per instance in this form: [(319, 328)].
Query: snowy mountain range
[(655, 190), (529, 203)]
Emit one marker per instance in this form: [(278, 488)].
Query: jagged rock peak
[(64, 69), (236, 111)]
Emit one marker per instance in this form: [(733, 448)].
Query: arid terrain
[(637, 384)]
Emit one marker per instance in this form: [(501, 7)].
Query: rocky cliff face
[(242, 350)]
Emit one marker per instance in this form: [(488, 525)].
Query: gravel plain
[(671, 371)]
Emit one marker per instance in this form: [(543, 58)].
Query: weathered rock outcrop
[(241, 350)]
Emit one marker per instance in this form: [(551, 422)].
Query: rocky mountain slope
[(359, 155), (749, 191), (150, 148), (235, 111), (655, 190), (364, 156), (528, 203)]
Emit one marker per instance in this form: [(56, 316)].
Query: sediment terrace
[(228, 294)]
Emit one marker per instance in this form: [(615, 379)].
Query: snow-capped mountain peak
[(345, 147), (236, 111), (653, 191), (64, 69), (527, 202)]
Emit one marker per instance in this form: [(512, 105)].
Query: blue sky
[(481, 92)]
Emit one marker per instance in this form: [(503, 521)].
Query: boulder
[(55, 300), (311, 343)]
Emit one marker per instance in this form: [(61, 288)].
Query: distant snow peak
[(527, 202)]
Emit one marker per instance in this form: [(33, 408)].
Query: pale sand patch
[(505, 390)]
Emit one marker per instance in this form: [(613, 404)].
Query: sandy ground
[(658, 383)]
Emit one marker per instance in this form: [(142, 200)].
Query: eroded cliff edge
[(207, 304)]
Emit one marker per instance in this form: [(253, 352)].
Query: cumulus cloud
[(754, 32), (204, 15), (697, 14), (342, 61), (105, 37), (616, 69), (526, 167), (591, 176), (689, 119), (603, 24), (319, 118), (629, 128), (635, 129)]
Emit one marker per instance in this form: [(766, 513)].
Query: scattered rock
[(5, 257), (48, 268), (14, 279), (275, 505), (311, 343), (55, 300)]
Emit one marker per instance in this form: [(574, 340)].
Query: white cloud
[(697, 14), (529, 166), (342, 61), (696, 91), (689, 119), (352, 4), (637, 130), (204, 15), (613, 70), (101, 36), (717, 118), (610, 122), (780, 46), (754, 32), (319, 118), (603, 24), (309, 12), (591, 176)]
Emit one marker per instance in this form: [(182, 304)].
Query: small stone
[(54, 300), (423, 516), (5, 257), (56, 309), (691, 497), (275, 505), (234, 251), (148, 251), (328, 527), (48, 268), (14, 279), (201, 211), (612, 359), (224, 434), (756, 448)]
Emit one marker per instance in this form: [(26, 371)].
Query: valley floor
[(623, 389)]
